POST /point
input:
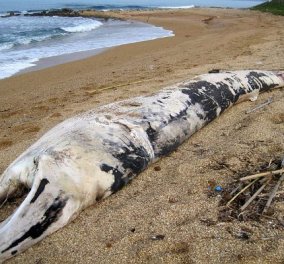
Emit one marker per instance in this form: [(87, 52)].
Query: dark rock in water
[(11, 13), (67, 12)]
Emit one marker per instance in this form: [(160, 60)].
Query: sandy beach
[(171, 197)]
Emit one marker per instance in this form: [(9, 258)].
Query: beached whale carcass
[(92, 155)]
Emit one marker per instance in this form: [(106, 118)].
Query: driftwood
[(251, 197), (255, 195), (241, 191), (262, 174), (272, 194)]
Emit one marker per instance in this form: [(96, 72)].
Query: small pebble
[(243, 235), (157, 168), (173, 200), (108, 245), (158, 237)]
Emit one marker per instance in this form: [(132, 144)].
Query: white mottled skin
[(71, 154)]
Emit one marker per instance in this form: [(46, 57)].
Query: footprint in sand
[(5, 143), (278, 118), (89, 87), (55, 115), (7, 114), (26, 128), (33, 129), (41, 108), (53, 100)]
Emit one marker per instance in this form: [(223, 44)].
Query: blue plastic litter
[(218, 189)]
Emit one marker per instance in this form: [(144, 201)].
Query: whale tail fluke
[(45, 209)]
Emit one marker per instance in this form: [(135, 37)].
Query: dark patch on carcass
[(134, 158), (210, 97), (151, 133), (40, 189), (253, 76), (51, 215), (119, 182)]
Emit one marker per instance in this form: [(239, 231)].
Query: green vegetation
[(275, 7)]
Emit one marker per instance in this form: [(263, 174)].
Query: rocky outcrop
[(11, 13), (67, 12)]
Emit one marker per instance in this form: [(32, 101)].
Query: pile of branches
[(251, 197)]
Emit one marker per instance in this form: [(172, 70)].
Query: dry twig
[(267, 194), (267, 102), (254, 195), (263, 174), (269, 164), (235, 189), (241, 191), (272, 194)]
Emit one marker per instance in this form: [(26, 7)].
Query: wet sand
[(61, 59), (171, 197)]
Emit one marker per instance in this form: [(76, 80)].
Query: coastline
[(205, 39), (61, 59), (62, 43)]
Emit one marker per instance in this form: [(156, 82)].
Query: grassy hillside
[(271, 7)]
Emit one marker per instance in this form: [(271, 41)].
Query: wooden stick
[(267, 194), (254, 196), (241, 191), (234, 190), (263, 174), (272, 195), (269, 164), (267, 102)]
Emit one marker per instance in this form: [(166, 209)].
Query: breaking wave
[(84, 27)]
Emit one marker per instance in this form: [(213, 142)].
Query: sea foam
[(25, 40), (84, 27)]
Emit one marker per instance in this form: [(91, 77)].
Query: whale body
[(93, 155)]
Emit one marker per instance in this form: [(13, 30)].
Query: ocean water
[(25, 40), (20, 5)]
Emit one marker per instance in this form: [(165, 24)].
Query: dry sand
[(172, 201)]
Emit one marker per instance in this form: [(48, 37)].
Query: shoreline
[(177, 192), (60, 59), (48, 62), (93, 48)]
